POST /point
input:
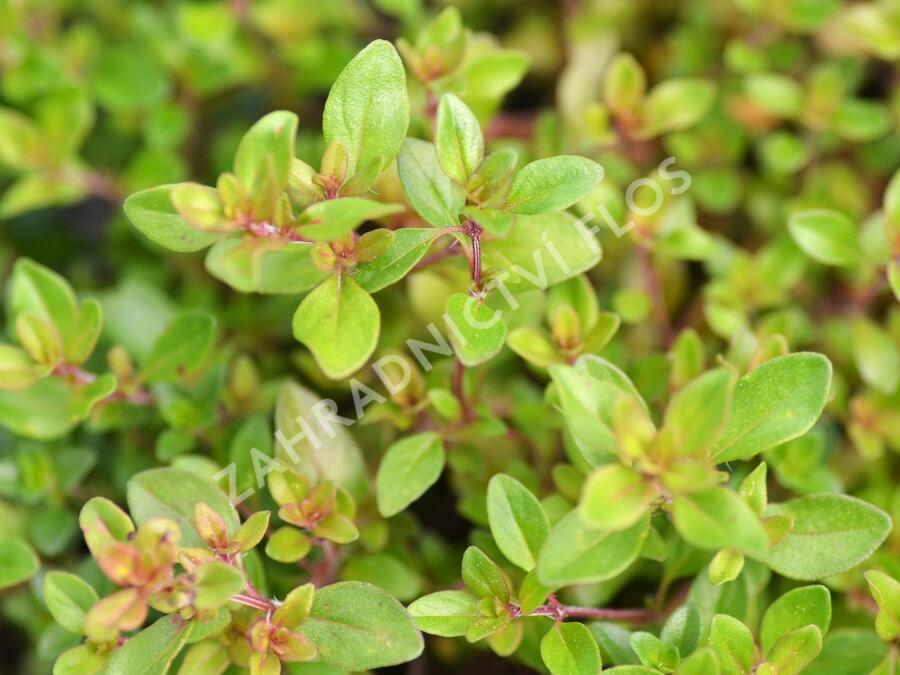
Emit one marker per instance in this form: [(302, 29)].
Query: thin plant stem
[(658, 299), (459, 371)]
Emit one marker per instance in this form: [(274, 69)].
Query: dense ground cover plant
[(556, 337)]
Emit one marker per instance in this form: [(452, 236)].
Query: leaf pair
[(439, 180)]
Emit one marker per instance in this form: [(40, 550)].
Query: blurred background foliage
[(797, 108)]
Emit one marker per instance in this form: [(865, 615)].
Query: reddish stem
[(562, 612), (657, 297), (436, 257), (555, 610), (473, 230), (104, 187), (459, 371), (74, 373), (82, 377), (324, 573), (256, 603)]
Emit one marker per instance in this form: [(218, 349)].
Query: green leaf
[(682, 629), (368, 109), (264, 265), (123, 610), (215, 584), (892, 203), (718, 518), (18, 562), (775, 93), (43, 292), (296, 606), (174, 494), (204, 657), (51, 407), (445, 613), (427, 188), (575, 554), (517, 520), (732, 643), (201, 207), (34, 191), (458, 139), (181, 348), (374, 243), (252, 530), (489, 73), (386, 571), (782, 152), (827, 236), (886, 592), (69, 599), (754, 490), (52, 529), (136, 313), (688, 357), (677, 104), (357, 626), (494, 222), (631, 670), (848, 651), (39, 338), (127, 77), (409, 467), (288, 544), (542, 251), (861, 120), (725, 566), (615, 497), (103, 522), (624, 84), (570, 649), (151, 211), (552, 184), (84, 398), (795, 609), (210, 627), (588, 393), (151, 651), (506, 641), (491, 181), (407, 249), (791, 654), (532, 593), (86, 331), (483, 576), (701, 662), (265, 152), (533, 346), (698, 413), (653, 652), (893, 278), (337, 528), (478, 332), (66, 118), (487, 625), (17, 369), (331, 219), (316, 449), (774, 403), (20, 140), (80, 660), (831, 534), (877, 355), (339, 323)]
